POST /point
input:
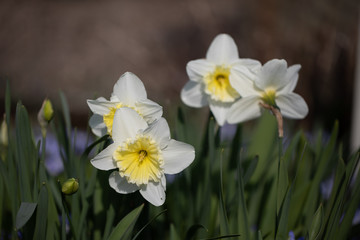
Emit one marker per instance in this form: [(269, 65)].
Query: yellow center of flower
[(139, 160), (217, 85), (269, 96), (109, 118)]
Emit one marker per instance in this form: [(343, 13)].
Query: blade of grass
[(147, 224), (242, 221), (124, 228), (41, 214)]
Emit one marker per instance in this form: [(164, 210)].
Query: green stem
[(277, 184)]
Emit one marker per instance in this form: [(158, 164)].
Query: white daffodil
[(142, 154), (129, 91), (210, 78), (273, 86)]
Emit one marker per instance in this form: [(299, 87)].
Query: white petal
[(193, 95), (100, 107), (120, 185), (272, 74), (197, 69), (177, 156), (127, 123), (249, 63), (129, 88), (244, 109), (292, 105), (242, 80), (220, 111), (159, 131), (292, 75), (104, 160), (98, 127), (154, 193), (222, 50), (150, 110)]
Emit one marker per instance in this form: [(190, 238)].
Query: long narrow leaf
[(125, 227)]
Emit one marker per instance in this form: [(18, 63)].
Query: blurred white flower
[(210, 78), (142, 154), (129, 91), (273, 85)]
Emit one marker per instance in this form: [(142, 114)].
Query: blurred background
[(82, 47)]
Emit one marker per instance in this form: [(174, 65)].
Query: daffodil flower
[(272, 86), (142, 154), (129, 91), (210, 78)]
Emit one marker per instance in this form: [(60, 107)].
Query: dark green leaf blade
[(124, 228), (25, 212)]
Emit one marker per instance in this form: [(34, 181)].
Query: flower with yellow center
[(142, 154), (273, 85), (129, 92), (210, 78)]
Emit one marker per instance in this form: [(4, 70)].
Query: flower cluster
[(142, 150), (236, 89)]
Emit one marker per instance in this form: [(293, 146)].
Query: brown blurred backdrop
[(82, 47)]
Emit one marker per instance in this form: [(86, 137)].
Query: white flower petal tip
[(222, 50), (292, 106), (192, 95), (244, 109), (154, 193), (120, 185), (127, 123), (177, 156), (104, 160), (129, 88)]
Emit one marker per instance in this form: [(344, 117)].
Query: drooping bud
[(70, 186), (45, 115)]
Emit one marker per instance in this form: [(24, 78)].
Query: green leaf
[(262, 145), (190, 233), (353, 204), (25, 212), (41, 214), (147, 224), (250, 170), (25, 152), (283, 183), (242, 221), (224, 237), (125, 227), (224, 223), (283, 216), (66, 112), (317, 223), (173, 234)]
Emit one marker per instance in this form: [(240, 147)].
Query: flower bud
[(45, 115), (46, 112), (70, 186)]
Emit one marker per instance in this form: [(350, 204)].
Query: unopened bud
[(45, 115), (70, 186)]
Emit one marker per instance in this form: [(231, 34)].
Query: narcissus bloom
[(142, 154), (273, 85), (210, 78), (129, 91)]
